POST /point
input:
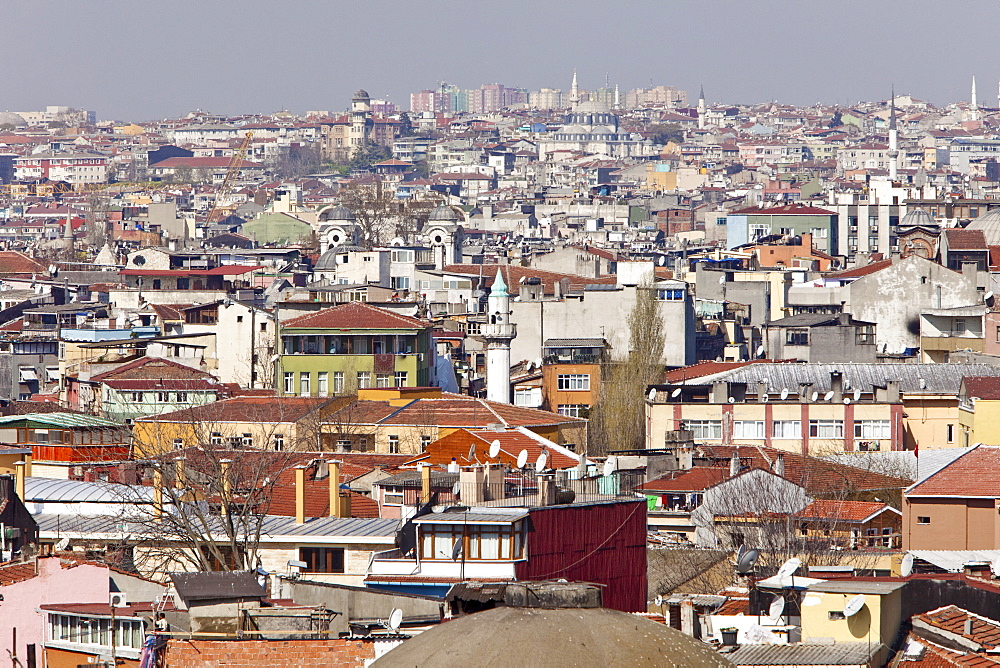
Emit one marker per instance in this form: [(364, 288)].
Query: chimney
[(762, 390), (734, 463), (336, 505), (546, 489), (779, 465), (19, 477), (300, 494), (720, 392), (425, 483), (967, 630), (471, 484), (837, 385), (495, 486), (804, 392), (226, 484), (892, 391)]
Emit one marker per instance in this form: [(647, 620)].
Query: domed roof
[(361, 94), (592, 107), (338, 212), (989, 223), (327, 261), (917, 217), (10, 118), (443, 214), (512, 636)]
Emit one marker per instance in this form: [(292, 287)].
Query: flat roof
[(856, 587)]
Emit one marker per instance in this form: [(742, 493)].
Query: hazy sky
[(140, 60)]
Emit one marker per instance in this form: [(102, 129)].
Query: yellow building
[(11, 455), (978, 411), (822, 609)]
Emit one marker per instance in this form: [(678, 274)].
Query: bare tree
[(617, 420), (375, 209)]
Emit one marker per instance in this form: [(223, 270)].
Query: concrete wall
[(955, 524), (357, 602)]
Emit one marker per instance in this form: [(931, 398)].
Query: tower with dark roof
[(498, 333)]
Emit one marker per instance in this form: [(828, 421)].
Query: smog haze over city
[(143, 60)]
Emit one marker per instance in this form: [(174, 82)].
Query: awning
[(28, 374)]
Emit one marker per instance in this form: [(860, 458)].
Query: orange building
[(571, 375)]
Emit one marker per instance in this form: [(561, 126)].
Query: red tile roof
[(975, 474), (708, 368), (842, 511), (153, 368), (228, 270), (12, 262), (982, 387), (951, 618), (354, 315), (13, 572), (246, 409), (695, 479), (455, 410), (960, 239), (786, 210), (458, 443), (858, 272)]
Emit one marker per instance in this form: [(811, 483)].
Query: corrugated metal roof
[(54, 490), (856, 587), (937, 378), (476, 518), (438, 478), (61, 420), (954, 561), (837, 654), (574, 343)]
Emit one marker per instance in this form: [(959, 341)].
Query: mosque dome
[(917, 217), (10, 118), (443, 214), (989, 223), (338, 212), (515, 636), (361, 94)]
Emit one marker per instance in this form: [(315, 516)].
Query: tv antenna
[(676, 393), (522, 459), (777, 607), (854, 605), (543, 459), (746, 561), (494, 448), (906, 566)]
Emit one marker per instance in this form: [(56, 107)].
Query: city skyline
[(137, 63)]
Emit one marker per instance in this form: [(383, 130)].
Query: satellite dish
[(745, 564), (456, 489), (661, 261), (456, 550), (828, 396), (987, 297), (472, 451), (658, 601), (542, 460), (732, 400), (847, 400), (760, 350), (62, 544), (854, 605), (722, 280), (764, 397), (784, 393), (815, 396), (788, 568), (676, 393), (395, 619), (906, 567), (857, 395), (652, 395), (538, 363), (609, 466), (494, 448), (995, 568), (522, 459), (776, 608)]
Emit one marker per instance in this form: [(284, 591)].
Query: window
[(834, 615), (383, 380), (289, 382), (797, 336), (872, 429), (753, 429), (960, 328), (950, 433), (393, 444), (400, 379), (923, 519), (338, 382), (721, 220), (215, 438), (137, 397), (239, 318), (364, 379), (425, 440), (178, 444), (400, 282), (826, 428), (304, 384), (670, 295), (322, 559), (573, 381), (247, 440), (182, 397), (573, 410), (702, 429), (786, 429), (162, 397), (323, 383), (865, 335), (279, 442), (402, 255), (527, 396)]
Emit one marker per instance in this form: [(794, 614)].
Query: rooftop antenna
[(494, 448), (776, 608), (857, 395), (676, 393), (746, 562), (787, 569), (652, 395), (815, 396), (472, 451), (522, 459), (610, 465), (854, 605), (784, 393), (906, 566), (395, 619), (543, 459), (828, 396)]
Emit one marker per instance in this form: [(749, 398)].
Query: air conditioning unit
[(118, 600)]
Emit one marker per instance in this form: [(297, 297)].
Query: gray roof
[(61, 419), (953, 561), (54, 490), (476, 518), (217, 585), (574, 343), (438, 478), (938, 378), (856, 587), (813, 320), (842, 654), (932, 460)]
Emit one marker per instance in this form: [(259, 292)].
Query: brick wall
[(255, 653)]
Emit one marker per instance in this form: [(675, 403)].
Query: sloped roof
[(512, 442), (247, 409), (153, 368), (13, 262), (858, 272), (456, 410), (951, 618), (982, 387), (13, 572), (962, 239), (354, 315), (976, 474), (836, 510), (512, 276), (695, 479)]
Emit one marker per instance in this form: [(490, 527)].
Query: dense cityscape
[(581, 375)]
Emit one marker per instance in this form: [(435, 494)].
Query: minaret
[(574, 93), (701, 109), (498, 333), (972, 100), (618, 99), (893, 138)]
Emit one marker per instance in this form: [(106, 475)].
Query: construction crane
[(227, 183)]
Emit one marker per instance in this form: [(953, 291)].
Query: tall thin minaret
[(702, 108), (618, 99), (972, 100), (574, 92), (893, 138), (498, 332)]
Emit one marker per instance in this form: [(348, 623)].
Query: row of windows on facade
[(161, 397), (96, 631), (363, 378), (864, 335), (756, 429), (348, 345)]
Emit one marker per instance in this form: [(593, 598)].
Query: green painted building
[(355, 345)]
